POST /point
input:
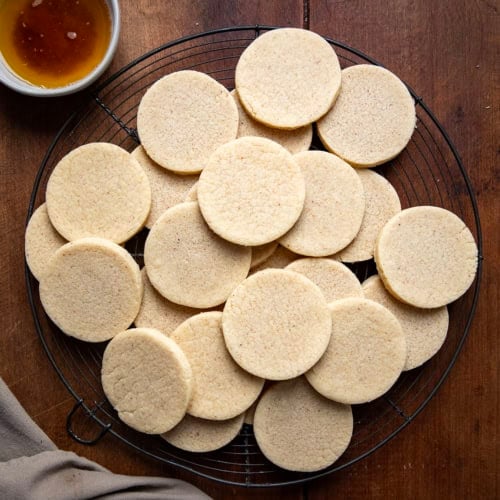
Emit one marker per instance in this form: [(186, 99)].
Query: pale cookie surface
[(298, 429), (252, 191), (192, 194), (288, 78), (373, 117), (279, 259), (147, 379), (183, 118), (426, 256), (167, 189), (335, 280), (261, 253), (276, 324), (41, 241), (221, 389), (365, 356), (158, 312), (333, 207), (92, 289), (249, 414), (189, 264), (425, 329), (200, 435), (382, 203), (98, 190), (295, 141)]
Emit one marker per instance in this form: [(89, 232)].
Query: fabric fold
[(32, 468)]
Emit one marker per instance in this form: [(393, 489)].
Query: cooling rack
[(428, 172)]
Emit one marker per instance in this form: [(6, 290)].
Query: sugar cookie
[(200, 435), (147, 379), (192, 194), (335, 280), (183, 118), (365, 356), (298, 429), (158, 312), (41, 241), (295, 141), (190, 265), (426, 256), (279, 259), (91, 289), (98, 190), (425, 329), (373, 117), (288, 77), (167, 189), (382, 202), (221, 389), (252, 191), (276, 324), (249, 414), (333, 208), (261, 253)]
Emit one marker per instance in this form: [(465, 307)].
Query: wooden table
[(448, 52)]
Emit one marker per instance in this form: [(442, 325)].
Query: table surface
[(448, 52)]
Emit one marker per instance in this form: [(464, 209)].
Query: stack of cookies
[(249, 231)]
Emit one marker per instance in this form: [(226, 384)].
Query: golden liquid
[(52, 43)]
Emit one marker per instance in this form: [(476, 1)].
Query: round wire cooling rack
[(428, 172)]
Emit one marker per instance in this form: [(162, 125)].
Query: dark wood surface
[(449, 52)]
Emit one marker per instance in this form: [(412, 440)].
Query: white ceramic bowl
[(7, 77)]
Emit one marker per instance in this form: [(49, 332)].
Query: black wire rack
[(428, 172)]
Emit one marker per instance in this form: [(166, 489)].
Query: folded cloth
[(32, 468)]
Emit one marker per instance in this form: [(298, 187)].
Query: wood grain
[(448, 52)]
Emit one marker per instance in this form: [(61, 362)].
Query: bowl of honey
[(56, 47)]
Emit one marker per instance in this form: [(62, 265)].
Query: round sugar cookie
[(158, 312), (249, 414), (183, 118), (426, 256), (200, 435), (100, 190), (382, 202), (92, 289), (147, 379), (365, 356), (192, 194), (373, 117), (276, 324), (221, 389), (295, 140), (188, 263), (288, 78), (335, 280), (333, 207), (298, 429), (279, 259), (167, 189), (41, 241), (425, 329), (252, 191), (261, 253)]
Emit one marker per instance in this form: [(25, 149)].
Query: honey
[(52, 43)]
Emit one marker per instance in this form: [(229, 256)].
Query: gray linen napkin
[(32, 468)]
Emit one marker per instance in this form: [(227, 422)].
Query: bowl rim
[(11, 80)]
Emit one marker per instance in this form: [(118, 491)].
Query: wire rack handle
[(104, 428)]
